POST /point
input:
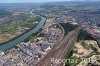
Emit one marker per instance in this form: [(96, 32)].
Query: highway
[(61, 50)]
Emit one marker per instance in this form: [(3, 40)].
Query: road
[(63, 32), (59, 51)]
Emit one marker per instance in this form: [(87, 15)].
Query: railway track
[(60, 51)]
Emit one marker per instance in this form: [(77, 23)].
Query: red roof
[(91, 31)]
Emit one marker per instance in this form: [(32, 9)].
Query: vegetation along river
[(17, 40)]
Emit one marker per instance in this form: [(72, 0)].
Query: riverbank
[(22, 37), (17, 36)]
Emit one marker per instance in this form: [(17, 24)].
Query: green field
[(17, 25)]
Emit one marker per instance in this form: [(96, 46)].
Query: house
[(45, 48)]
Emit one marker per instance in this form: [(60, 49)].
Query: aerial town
[(31, 35), (32, 51)]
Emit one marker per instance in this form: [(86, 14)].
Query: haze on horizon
[(37, 1)]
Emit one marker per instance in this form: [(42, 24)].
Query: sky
[(36, 1)]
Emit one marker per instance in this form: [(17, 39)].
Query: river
[(21, 38)]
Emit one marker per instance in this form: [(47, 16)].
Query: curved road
[(60, 51), (63, 32)]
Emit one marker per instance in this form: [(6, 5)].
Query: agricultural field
[(14, 24)]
